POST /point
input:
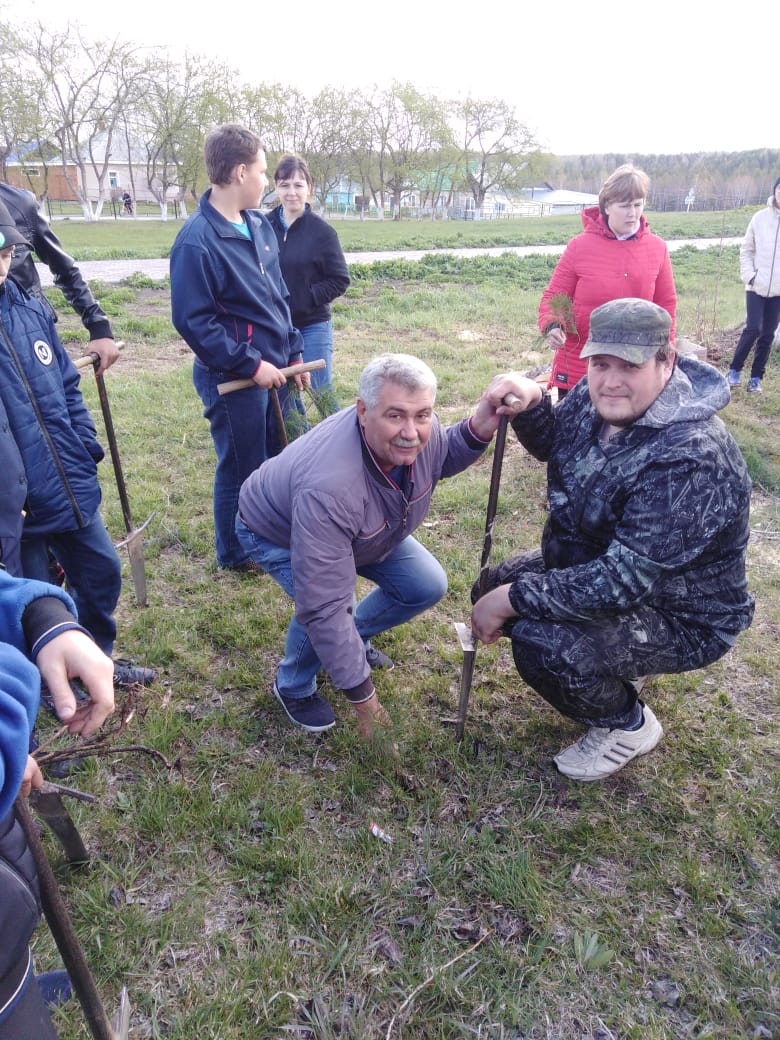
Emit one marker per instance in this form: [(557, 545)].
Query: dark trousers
[(584, 668), (92, 570), (240, 427), (245, 432), (763, 316)]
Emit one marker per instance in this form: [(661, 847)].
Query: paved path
[(116, 270)]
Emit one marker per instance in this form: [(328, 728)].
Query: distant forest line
[(717, 180)]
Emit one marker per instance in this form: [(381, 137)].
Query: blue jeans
[(318, 343), (241, 426), (92, 571), (762, 317), (408, 581)]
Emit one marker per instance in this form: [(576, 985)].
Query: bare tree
[(498, 150), (87, 85), (410, 130), (331, 131), (177, 107), (19, 128)]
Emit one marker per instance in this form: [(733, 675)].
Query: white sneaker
[(601, 752)]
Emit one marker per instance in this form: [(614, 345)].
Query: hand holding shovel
[(291, 370)]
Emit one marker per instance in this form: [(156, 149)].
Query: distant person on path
[(39, 238), (615, 256), (57, 443), (230, 305), (127, 200), (642, 562), (313, 264), (759, 266), (343, 501)]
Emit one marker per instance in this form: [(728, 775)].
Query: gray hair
[(404, 369)]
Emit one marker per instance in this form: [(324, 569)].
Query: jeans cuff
[(359, 694)]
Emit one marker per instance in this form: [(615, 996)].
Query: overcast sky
[(673, 76)]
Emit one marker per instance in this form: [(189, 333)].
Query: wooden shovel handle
[(291, 370), (88, 360)]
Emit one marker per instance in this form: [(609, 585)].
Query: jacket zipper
[(44, 431), (774, 257)]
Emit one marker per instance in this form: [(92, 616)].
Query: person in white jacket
[(759, 265)]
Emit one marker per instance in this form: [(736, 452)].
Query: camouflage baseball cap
[(630, 329), (9, 233)]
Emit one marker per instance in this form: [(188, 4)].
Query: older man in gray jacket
[(342, 501)]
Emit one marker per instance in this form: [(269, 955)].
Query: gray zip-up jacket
[(659, 516), (326, 500)]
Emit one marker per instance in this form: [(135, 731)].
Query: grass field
[(115, 239), (240, 894)]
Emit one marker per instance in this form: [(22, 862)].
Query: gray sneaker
[(754, 385), (376, 659), (128, 674), (601, 752), (734, 378)]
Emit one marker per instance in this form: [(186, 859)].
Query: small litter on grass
[(377, 831)]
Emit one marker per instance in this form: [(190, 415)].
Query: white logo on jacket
[(43, 352)]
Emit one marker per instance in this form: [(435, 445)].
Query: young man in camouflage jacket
[(642, 562)]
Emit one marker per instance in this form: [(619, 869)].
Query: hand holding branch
[(73, 655)]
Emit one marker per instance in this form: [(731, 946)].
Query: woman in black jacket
[(312, 262)]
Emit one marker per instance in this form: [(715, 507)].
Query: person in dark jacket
[(230, 305), (642, 563), (38, 236), (13, 498), (37, 623), (57, 443), (313, 265)]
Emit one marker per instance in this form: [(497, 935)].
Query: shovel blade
[(51, 808), (466, 678), (466, 636), (120, 1023), (135, 550)]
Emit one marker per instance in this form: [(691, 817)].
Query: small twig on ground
[(51, 740), (757, 532), (52, 788), (101, 745), (431, 977)]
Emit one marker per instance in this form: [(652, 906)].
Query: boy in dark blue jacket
[(57, 442), (230, 305)]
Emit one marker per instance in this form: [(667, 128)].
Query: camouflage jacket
[(657, 516)]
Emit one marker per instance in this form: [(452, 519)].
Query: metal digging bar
[(134, 539), (465, 635), (72, 954)]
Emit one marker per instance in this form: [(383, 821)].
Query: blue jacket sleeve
[(19, 694), (19, 679)]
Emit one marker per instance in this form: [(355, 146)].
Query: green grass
[(150, 238), (242, 895)]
